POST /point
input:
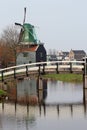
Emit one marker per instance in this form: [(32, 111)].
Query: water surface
[(58, 106)]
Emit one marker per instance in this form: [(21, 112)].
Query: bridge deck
[(41, 68)]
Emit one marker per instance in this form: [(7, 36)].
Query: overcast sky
[(61, 24)]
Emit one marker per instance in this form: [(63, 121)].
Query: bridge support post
[(57, 71), (70, 67), (85, 81), (27, 71), (2, 76), (14, 73), (43, 68), (85, 74), (39, 70)]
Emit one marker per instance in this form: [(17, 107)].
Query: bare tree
[(4, 56), (10, 39)]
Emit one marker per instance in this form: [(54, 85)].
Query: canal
[(39, 104)]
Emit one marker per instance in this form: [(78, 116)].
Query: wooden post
[(39, 70), (43, 68), (14, 73), (27, 71), (85, 81), (70, 67), (2, 76), (85, 74), (57, 69)]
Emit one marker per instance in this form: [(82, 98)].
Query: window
[(30, 61), (25, 54)]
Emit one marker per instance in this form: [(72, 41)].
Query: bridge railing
[(42, 67)]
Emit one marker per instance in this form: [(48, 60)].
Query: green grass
[(65, 77), (2, 92)]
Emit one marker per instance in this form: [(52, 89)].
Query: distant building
[(52, 58), (77, 55), (65, 55), (58, 57)]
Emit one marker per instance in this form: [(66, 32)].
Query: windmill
[(27, 33)]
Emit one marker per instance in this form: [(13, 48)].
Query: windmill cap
[(27, 25)]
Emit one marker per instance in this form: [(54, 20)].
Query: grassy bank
[(65, 77), (2, 93)]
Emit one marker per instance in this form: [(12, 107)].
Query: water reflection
[(38, 104), (38, 118), (63, 93)]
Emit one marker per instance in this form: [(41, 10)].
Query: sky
[(59, 24)]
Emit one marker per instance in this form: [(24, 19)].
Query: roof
[(28, 34), (65, 53), (32, 48), (79, 52)]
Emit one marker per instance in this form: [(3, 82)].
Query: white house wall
[(29, 58)]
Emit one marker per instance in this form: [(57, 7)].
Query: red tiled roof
[(31, 48)]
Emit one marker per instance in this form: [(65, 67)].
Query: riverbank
[(65, 77), (2, 94)]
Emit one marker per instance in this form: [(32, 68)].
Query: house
[(52, 58), (59, 56), (77, 55), (62, 55), (65, 55), (33, 53)]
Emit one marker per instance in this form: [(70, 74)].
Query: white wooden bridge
[(43, 68)]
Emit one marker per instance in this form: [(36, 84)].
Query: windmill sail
[(24, 15), (27, 32)]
